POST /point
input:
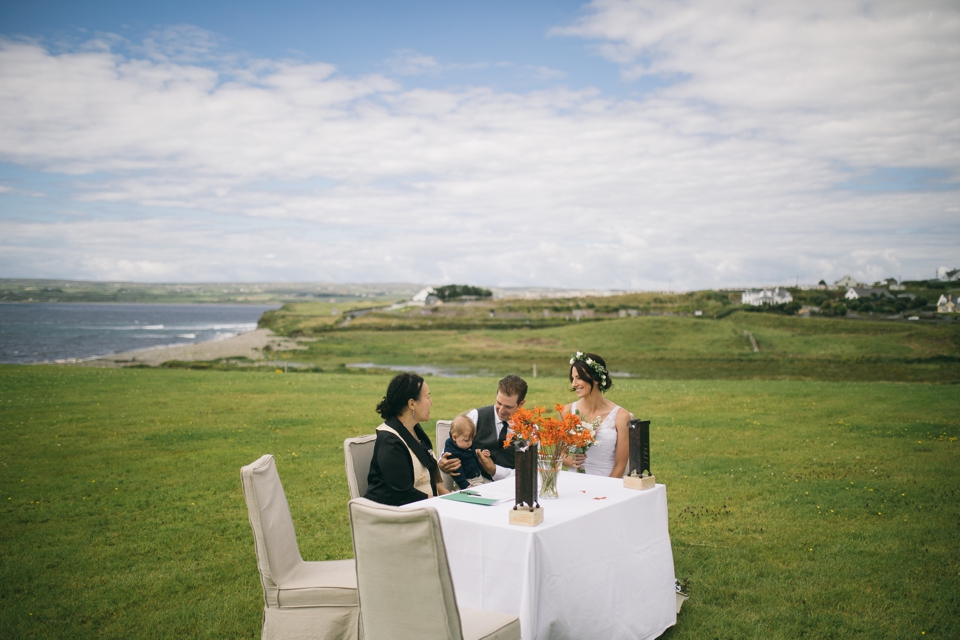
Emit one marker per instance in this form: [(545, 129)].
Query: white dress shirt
[(501, 472)]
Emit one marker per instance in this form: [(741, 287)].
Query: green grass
[(667, 348), (797, 509)]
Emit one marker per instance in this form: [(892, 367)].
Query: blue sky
[(627, 144)]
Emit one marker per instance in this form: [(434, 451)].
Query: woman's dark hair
[(403, 387), (589, 373)]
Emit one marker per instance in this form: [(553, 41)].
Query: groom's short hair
[(514, 386)]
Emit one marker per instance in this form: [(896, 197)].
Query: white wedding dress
[(600, 456)]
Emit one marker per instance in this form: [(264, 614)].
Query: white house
[(758, 297), (845, 283), (422, 295), (948, 276), (855, 293), (891, 284), (948, 303)]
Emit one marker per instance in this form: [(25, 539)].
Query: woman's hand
[(448, 465), (574, 461), (442, 490)]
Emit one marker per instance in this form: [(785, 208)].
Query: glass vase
[(548, 466)]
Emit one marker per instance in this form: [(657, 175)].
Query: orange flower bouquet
[(555, 436)]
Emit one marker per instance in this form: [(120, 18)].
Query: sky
[(615, 144)]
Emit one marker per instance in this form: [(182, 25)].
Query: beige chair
[(301, 599), (406, 592), (443, 432), (358, 452)]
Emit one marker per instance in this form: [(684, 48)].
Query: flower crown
[(595, 366)]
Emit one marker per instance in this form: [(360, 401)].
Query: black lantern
[(526, 510), (640, 477)]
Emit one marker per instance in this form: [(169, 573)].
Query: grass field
[(665, 348), (797, 508)]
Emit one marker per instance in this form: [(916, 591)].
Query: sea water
[(31, 333)]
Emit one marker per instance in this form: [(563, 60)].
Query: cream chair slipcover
[(357, 453), (443, 432), (404, 583), (301, 599)]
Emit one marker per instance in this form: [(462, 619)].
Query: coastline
[(249, 344)]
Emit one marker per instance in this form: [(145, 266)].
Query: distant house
[(948, 303), (890, 283), (421, 296), (845, 283), (757, 297), (949, 276), (856, 293)]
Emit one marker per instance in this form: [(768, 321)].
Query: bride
[(589, 378)]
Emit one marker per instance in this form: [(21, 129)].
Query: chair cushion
[(488, 625), (332, 583)]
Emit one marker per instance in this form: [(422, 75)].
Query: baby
[(462, 432)]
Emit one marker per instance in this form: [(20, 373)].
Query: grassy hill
[(38, 290), (645, 346)]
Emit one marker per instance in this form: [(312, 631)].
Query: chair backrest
[(443, 432), (357, 453), (403, 578), (276, 541)]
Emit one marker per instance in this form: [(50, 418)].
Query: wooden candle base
[(524, 517), (640, 483)]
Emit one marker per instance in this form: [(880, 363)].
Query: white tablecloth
[(599, 566)]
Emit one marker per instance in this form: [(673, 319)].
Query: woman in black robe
[(403, 469)]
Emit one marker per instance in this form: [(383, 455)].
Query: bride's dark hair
[(588, 374)]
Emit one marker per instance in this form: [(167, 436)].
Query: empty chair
[(404, 583), (300, 599), (443, 432), (357, 453)]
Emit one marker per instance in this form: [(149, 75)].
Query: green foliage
[(453, 291), (797, 509)]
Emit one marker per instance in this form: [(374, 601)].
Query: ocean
[(41, 332)]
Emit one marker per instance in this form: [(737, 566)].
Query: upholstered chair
[(443, 432), (404, 583), (357, 453), (302, 600)]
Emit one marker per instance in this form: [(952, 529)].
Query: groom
[(492, 429)]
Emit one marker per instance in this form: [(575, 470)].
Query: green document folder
[(462, 497)]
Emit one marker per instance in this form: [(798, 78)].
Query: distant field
[(797, 509), (653, 347), (36, 290)]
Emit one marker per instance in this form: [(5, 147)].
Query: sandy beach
[(249, 345)]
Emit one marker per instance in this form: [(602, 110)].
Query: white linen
[(600, 456), (600, 565)]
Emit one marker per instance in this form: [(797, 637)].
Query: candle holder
[(526, 510), (640, 478)]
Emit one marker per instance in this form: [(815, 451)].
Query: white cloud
[(729, 175), (545, 73), (406, 62)]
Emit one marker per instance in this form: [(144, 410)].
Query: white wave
[(189, 336)]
